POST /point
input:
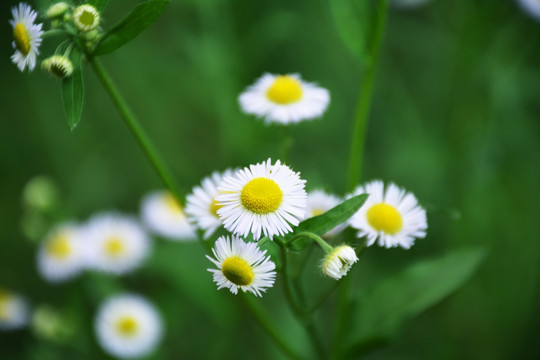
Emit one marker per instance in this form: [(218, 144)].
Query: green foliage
[(73, 92), (383, 309), (272, 249), (323, 223), (352, 19), (138, 20), (100, 5)]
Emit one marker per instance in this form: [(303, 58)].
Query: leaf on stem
[(352, 19), (138, 20), (272, 249), (323, 223), (100, 5), (382, 310), (73, 92)]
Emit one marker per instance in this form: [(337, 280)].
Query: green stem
[(286, 143), (270, 329), (323, 244), (52, 33), (137, 131), (364, 99)]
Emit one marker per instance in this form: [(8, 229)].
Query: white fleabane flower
[(262, 199), (284, 99), (339, 261), (162, 214), (242, 266), (62, 254), (202, 207), (319, 202), (14, 312), (128, 326), (86, 18), (117, 243), (532, 7), (392, 216), (26, 36)]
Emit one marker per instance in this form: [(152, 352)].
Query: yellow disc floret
[(127, 326), (261, 196), (5, 298), (285, 90), (21, 38), (385, 217), (114, 246), (59, 246), (214, 207), (172, 204), (86, 17), (237, 271)]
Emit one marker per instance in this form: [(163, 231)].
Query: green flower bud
[(57, 10)]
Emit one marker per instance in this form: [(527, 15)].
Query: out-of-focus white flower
[(26, 36), (14, 310)]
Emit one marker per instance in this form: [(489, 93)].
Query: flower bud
[(57, 10), (86, 18), (337, 263), (59, 66)]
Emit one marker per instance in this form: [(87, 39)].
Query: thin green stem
[(286, 143), (131, 122), (52, 33), (364, 99), (267, 325), (323, 244)]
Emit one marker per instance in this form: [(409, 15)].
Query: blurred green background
[(455, 119)]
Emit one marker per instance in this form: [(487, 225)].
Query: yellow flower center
[(114, 246), (87, 18), (317, 212), (21, 38), (172, 204), (384, 217), (59, 246), (127, 326), (214, 207), (5, 298), (284, 90), (261, 196), (237, 271)]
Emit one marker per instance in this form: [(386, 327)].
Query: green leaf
[(383, 309), (272, 249), (323, 223), (73, 92), (138, 20), (100, 5), (352, 19)]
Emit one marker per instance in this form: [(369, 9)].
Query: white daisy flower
[(319, 202), (390, 215), (202, 207), (26, 36), (14, 312), (284, 99), (128, 326), (339, 261), (162, 214), (531, 6), (263, 198), (408, 3), (86, 18), (242, 266), (62, 254), (117, 243)]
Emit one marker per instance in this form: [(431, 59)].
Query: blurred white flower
[(163, 215), (242, 266), (14, 311), (128, 326), (319, 202), (262, 199), (532, 7), (117, 243), (391, 216), (284, 99), (26, 36)]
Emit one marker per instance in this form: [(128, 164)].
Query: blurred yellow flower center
[(114, 246), (127, 326), (317, 212), (284, 90), (214, 207), (87, 18), (21, 38), (384, 217), (172, 204), (237, 271), (5, 298), (261, 196), (59, 246)]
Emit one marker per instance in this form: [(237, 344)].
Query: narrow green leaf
[(73, 92), (382, 310), (100, 5), (352, 19), (138, 20), (323, 223)]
